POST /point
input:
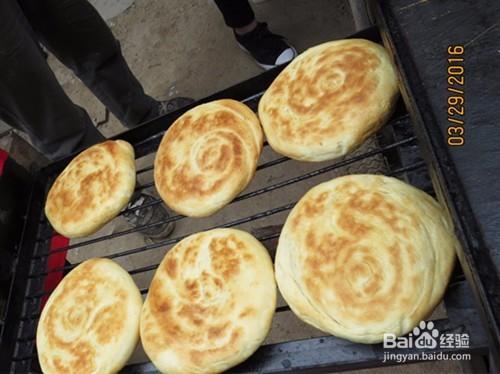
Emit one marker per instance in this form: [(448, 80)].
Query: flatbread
[(94, 187), (207, 157), (364, 255), (329, 100), (90, 323), (210, 303)]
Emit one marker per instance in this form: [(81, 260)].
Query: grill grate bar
[(24, 358), (144, 269), (283, 308), (140, 188), (272, 163), (253, 97), (145, 169), (26, 339)]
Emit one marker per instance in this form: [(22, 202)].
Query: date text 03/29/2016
[(456, 95)]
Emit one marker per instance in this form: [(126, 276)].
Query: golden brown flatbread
[(90, 323), (364, 255), (92, 189), (207, 157), (329, 100), (210, 303)]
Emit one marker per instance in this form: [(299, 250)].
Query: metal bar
[(145, 169), (284, 308), (25, 358), (143, 187), (26, 339), (272, 163)]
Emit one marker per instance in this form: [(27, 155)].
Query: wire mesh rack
[(261, 209)]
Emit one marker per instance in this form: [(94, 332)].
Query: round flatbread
[(90, 323), (329, 100), (94, 187), (207, 157), (210, 303), (364, 255)]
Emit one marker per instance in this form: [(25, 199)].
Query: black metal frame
[(14, 182), (397, 143), (477, 265)]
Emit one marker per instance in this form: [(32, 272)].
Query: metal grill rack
[(394, 151)]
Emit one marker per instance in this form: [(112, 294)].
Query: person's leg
[(236, 13), (31, 99), (77, 35), (268, 50)]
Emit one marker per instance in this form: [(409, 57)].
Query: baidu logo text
[(425, 336), (422, 336)]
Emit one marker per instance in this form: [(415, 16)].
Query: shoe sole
[(265, 66)]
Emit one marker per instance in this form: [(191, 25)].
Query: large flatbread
[(90, 323), (364, 255), (329, 100), (210, 303), (92, 189), (207, 157)]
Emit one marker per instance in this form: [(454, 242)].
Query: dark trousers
[(32, 100), (236, 13)]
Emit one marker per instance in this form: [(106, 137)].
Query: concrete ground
[(182, 47)]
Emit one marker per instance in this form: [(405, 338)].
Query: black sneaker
[(148, 215), (167, 106), (268, 50)]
